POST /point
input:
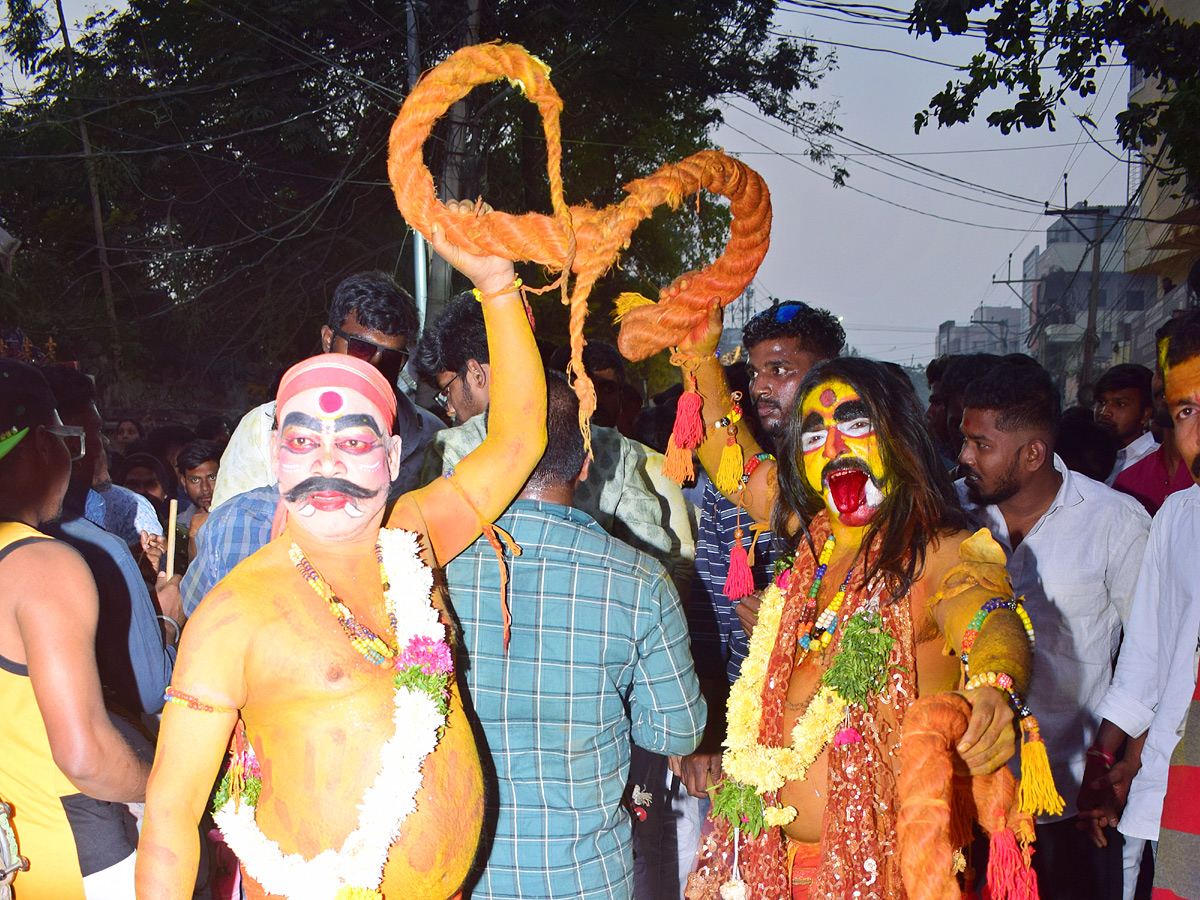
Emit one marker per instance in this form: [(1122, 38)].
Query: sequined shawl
[(860, 858)]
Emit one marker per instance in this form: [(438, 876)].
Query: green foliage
[(240, 150), (740, 806), (860, 667), (437, 686), (251, 788), (1041, 52)]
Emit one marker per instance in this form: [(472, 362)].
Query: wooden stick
[(171, 516)]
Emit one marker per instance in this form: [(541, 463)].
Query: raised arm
[(700, 357), (57, 618), (491, 475), (191, 746)]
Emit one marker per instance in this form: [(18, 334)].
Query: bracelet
[(755, 461), (178, 628), (173, 695), (735, 414), (480, 296), (986, 610), (1103, 755), (1001, 682)]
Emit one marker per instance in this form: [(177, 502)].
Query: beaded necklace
[(817, 631), (375, 649)]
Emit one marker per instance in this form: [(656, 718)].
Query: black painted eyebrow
[(813, 422), (352, 420), (301, 420), (851, 410)]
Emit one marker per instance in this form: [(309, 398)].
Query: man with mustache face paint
[(299, 645), (881, 544), (1153, 697)]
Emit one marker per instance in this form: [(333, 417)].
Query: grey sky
[(894, 275)]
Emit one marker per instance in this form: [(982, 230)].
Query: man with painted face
[(882, 553), (300, 643)]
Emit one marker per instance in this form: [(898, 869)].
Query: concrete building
[(1058, 287), (1166, 249), (992, 329)]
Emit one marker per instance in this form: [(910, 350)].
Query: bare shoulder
[(46, 569)]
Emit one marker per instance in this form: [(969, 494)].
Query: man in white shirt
[(1124, 407), (1073, 548), (1155, 677)]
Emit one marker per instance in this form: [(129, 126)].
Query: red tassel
[(689, 427), (1006, 870), (740, 581)]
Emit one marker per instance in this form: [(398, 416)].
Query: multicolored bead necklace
[(374, 648), (817, 631)]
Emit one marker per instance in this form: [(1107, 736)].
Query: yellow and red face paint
[(840, 452)]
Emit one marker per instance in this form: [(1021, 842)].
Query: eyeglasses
[(442, 397), (73, 437), (388, 359)]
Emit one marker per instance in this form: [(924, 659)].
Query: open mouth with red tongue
[(847, 488), (853, 494)]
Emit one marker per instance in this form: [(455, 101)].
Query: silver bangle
[(178, 628)]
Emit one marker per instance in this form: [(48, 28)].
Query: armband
[(174, 695)]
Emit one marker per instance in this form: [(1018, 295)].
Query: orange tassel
[(740, 581), (677, 465), (689, 428)]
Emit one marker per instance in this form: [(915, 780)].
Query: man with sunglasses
[(370, 319), (64, 766)]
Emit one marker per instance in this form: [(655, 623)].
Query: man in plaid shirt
[(598, 655)]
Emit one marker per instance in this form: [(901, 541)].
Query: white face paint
[(334, 461)]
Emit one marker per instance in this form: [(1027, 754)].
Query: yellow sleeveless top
[(45, 803)]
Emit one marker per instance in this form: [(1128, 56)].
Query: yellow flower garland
[(745, 759)]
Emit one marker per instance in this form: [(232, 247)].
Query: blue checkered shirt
[(598, 655), (234, 530)]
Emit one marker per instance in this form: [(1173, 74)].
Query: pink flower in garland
[(430, 655)]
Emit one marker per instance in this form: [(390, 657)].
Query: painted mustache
[(318, 484)]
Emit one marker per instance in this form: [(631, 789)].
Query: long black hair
[(919, 502)]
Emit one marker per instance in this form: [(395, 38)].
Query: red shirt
[(1148, 481)]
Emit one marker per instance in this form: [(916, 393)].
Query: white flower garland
[(393, 795)]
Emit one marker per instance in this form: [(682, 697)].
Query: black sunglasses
[(385, 358)]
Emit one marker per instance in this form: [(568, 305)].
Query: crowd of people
[(400, 651)]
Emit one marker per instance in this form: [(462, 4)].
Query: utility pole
[(420, 270), (94, 190), (1090, 339), (452, 171)]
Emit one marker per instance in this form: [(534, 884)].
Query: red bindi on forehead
[(330, 402), (828, 397)]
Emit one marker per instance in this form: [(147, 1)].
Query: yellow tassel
[(1039, 796), (678, 463), (729, 474), (629, 300)]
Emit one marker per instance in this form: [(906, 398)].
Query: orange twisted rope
[(578, 239), (937, 808)]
